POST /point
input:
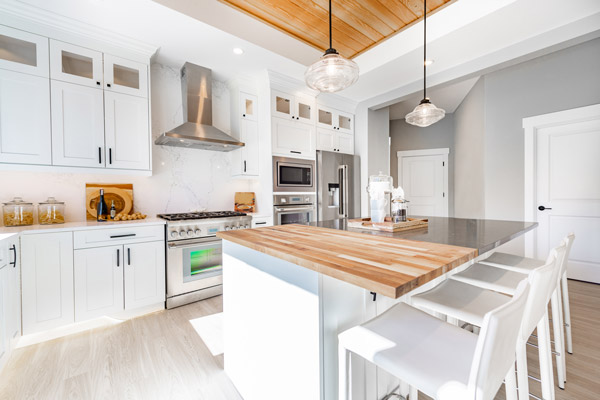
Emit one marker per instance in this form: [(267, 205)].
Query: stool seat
[(460, 300), (415, 347), (492, 278), (512, 262)]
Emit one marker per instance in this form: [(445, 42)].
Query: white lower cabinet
[(144, 274), (47, 281), (14, 290), (98, 281), (4, 309)]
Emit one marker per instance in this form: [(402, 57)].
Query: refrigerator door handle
[(343, 180)]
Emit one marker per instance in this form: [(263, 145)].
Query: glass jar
[(17, 212), (51, 211), (399, 210)]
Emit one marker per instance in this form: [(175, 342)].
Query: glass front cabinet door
[(74, 64), (125, 76), (23, 52)]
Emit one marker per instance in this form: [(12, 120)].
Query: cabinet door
[(293, 139), (249, 106), (4, 319), (325, 117), (23, 52), (325, 139), (344, 143), (98, 282), (250, 152), (70, 63), (126, 131), (282, 105), (144, 274), (77, 125), (345, 122), (305, 109), (47, 281), (125, 76), (25, 136), (14, 291)]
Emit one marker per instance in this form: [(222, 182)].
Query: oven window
[(295, 218), (202, 261), (295, 176)]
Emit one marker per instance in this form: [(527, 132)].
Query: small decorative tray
[(388, 225)]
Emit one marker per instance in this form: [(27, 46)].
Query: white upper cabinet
[(250, 152), (25, 136), (339, 142), (126, 131), (345, 122), (144, 269), (334, 119), (70, 63), (125, 76), (293, 139), (244, 126), (293, 107), (248, 106), (77, 125), (23, 52)]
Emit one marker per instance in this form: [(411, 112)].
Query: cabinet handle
[(98, 83), (244, 165), (14, 263), (100, 155), (293, 117), (118, 257), (295, 152), (129, 256), (108, 84), (109, 155), (121, 236), (260, 223), (243, 115)]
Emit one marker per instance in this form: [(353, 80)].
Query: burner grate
[(200, 215)]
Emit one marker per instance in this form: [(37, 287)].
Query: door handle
[(129, 256), (110, 156), (118, 257), (244, 165), (542, 208), (14, 263), (100, 155)]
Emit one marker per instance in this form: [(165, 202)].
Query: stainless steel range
[(194, 254)]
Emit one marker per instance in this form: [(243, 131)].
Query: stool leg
[(567, 308), (558, 339), (343, 372), (545, 350), (562, 332), (510, 384), (522, 373)]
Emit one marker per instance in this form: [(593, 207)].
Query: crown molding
[(287, 84), (27, 17), (338, 102)]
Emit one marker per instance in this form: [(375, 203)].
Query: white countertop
[(76, 226)]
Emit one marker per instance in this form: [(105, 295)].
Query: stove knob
[(227, 228), (173, 234), (197, 232), (190, 233), (234, 227), (246, 226), (181, 233)]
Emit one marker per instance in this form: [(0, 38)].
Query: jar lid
[(18, 201), (51, 200)]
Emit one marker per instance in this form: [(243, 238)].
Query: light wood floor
[(160, 356)]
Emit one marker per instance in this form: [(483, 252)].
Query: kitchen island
[(289, 290)]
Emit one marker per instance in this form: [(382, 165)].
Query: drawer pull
[(260, 223), (122, 236)]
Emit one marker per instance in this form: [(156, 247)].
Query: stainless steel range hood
[(198, 132)]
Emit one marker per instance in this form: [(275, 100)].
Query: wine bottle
[(101, 209), (113, 210)]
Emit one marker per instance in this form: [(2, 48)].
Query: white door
[(293, 139), (125, 76), (326, 139), (345, 143), (568, 188), (77, 125), (47, 281), (250, 152), (22, 51), (126, 131), (70, 63), (98, 281), (25, 136), (423, 175), (144, 274)]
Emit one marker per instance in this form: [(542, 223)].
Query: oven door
[(193, 265), (294, 214)]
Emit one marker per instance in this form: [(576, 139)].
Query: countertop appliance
[(293, 208), (194, 253), (293, 175), (338, 186)]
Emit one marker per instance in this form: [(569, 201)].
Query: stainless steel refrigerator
[(338, 186)]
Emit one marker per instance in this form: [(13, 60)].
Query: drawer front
[(108, 237), (258, 222)]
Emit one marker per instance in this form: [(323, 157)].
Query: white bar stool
[(437, 358), (525, 265), (469, 303)]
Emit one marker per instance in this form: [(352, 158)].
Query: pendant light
[(332, 72), (426, 113)]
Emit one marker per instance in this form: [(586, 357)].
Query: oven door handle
[(294, 209), (193, 243)]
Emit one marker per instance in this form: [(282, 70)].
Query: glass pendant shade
[(331, 73), (425, 114)]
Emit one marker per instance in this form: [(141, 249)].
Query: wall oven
[(293, 175), (294, 209)]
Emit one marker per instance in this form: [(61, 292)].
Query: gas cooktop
[(200, 215)]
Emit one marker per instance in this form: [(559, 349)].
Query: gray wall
[(409, 137), (469, 133)]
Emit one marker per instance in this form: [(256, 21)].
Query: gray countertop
[(481, 234)]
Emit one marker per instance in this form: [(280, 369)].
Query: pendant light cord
[(330, 41), (424, 47)]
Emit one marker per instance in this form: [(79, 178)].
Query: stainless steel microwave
[(293, 175)]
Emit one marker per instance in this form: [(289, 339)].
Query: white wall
[(183, 179)]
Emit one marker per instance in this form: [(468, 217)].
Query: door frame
[(444, 151), (531, 125)]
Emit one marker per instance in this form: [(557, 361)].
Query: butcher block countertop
[(386, 265)]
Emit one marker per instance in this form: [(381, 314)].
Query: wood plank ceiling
[(358, 25)]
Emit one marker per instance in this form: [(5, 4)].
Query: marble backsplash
[(182, 180)]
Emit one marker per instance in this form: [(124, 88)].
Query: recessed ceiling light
[(429, 62), (238, 51)]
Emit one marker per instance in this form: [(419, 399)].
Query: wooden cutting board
[(121, 193), (245, 202), (388, 225)]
